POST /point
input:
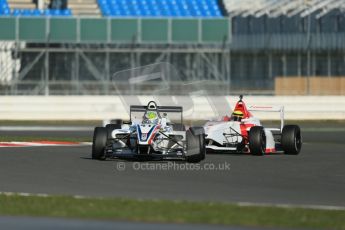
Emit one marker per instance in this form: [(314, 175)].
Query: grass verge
[(169, 212)]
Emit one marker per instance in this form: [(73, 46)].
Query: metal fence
[(79, 56)]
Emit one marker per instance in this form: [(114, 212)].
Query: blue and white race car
[(151, 135)]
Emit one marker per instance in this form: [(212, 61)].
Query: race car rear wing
[(142, 108), (163, 109), (279, 109)]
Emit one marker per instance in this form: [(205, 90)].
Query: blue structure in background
[(4, 8), (133, 8), (36, 12), (6, 11), (160, 8)]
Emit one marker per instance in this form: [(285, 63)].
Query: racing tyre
[(291, 139), (195, 138), (99, 142), (110, 128), (179, 127), (257, 141)]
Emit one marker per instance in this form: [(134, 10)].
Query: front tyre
[(99, 142), (195, 139), (291, 139), (257, 141)]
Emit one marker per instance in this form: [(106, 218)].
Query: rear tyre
[(110, 128), (99, 142), (195, 138), (291, 139), (257, 141)]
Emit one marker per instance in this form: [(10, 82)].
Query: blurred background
[(262, 47)]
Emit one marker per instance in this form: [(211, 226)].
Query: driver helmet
[(152, 117), (237, 115)]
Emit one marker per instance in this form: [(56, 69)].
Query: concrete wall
[(195, 107)]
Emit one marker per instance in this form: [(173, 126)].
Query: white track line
[(321, 207), (242, 204)]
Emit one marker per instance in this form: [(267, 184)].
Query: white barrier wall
[(195, 107)]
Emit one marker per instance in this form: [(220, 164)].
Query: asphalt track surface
[(315, 177), (30, 223)]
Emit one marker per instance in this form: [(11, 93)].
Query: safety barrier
[(110, 30), (195, 107)]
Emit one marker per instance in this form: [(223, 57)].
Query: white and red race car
[(243, 133)]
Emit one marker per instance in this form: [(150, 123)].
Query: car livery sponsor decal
[(154, 133), (148, 137), (144, 136)]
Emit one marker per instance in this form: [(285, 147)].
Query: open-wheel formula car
[(243, 133), (150, 135)]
